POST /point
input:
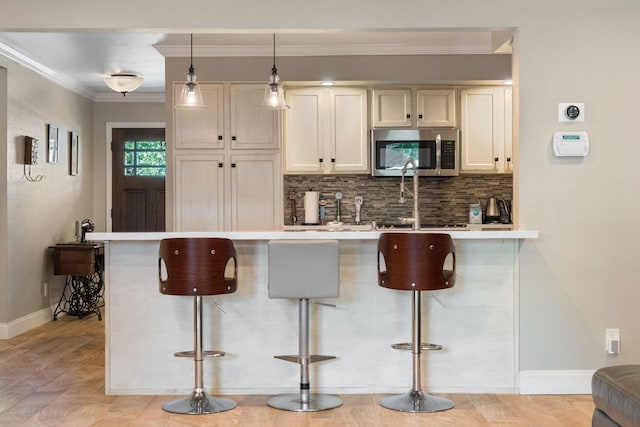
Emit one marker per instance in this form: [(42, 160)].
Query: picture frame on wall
[(74, 144), (52, 144)]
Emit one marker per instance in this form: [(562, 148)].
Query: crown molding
[(58, 78), (316, 50)]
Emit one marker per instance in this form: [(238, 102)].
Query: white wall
[(580, 276), (39, 214)]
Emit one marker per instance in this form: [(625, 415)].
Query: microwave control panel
[(448, 155)]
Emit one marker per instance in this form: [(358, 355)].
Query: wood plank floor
[(54, 376)]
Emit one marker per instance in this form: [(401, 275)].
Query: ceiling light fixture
[(191, 96), (274, 93), (123, 82)]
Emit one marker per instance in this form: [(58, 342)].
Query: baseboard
[(25, 323), (556, 382)]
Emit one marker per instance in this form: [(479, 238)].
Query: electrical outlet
[(612, 340), (45, 289)]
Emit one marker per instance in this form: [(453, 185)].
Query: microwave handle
[(438, 154)]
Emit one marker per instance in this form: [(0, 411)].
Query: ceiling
[(80, 60)]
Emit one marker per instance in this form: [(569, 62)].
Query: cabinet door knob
[(320, 160), (220, 164), (496, 159), (233, 138), (509, 159), (233, 165), (219, 137), (333, 160), (408, 116), (419, 116)]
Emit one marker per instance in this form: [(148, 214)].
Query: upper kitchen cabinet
[(486, 130), (234, 117), (200, 127), (325, 131), (414, 108)]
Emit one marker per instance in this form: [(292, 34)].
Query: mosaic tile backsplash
[(442, 200)]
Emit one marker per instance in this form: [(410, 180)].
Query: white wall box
[(234, 117), (486, 130), (414, 108), (325, 131)]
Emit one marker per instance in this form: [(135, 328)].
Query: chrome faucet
[(415, 220)]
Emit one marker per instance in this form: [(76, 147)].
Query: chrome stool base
[(199, 403), (416, 401), (294, 402)]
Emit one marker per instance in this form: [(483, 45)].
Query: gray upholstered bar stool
[(416, 262), (197, 267), (304, 269)]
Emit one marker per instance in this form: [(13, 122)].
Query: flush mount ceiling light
[(123, 82), (191, 96), (274, 93)]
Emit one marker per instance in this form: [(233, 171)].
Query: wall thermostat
[(571, 112), (570, 144)]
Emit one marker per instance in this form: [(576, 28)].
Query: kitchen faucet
[(416, 213)]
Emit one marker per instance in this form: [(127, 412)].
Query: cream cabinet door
[(435, 107), (391, 108), (253, 126), (348, 131), (304, 131), (200, 127), (199, 192), (256, 192), (482, 129)]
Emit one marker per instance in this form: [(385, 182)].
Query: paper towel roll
[(311, 208)]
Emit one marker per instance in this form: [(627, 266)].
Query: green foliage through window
[(145, 158)]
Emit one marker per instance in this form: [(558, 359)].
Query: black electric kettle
[(505, 211)]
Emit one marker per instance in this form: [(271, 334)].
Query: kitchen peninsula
[(476, 321)]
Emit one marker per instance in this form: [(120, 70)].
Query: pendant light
[(191, 96), (274, 93)]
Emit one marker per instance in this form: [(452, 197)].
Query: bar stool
[(416, 262), (304, 269), (196, 267)]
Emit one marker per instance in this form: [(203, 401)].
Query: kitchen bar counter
[(313, 234), (476, 321)]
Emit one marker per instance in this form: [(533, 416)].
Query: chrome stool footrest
[(423, 346), (206, 353), (298, 360)]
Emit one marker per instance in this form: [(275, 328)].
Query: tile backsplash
[(442, 200)]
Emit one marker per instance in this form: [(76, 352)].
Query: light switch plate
[(569, 112)]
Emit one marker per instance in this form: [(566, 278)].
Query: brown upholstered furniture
[(197, 267), (416, 262), (616, 394)]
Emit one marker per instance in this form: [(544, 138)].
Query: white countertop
[(313, 234)]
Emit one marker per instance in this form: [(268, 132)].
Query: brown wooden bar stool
[(197, 267), (416, 262)]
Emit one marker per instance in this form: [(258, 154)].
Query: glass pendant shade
[(191, 95), (123, 82), (274, 94)]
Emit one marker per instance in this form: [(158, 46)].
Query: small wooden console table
[(83, 264)]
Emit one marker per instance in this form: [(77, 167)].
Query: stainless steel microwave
[(435, 151)]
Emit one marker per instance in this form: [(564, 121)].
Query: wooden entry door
[(139, 160)]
